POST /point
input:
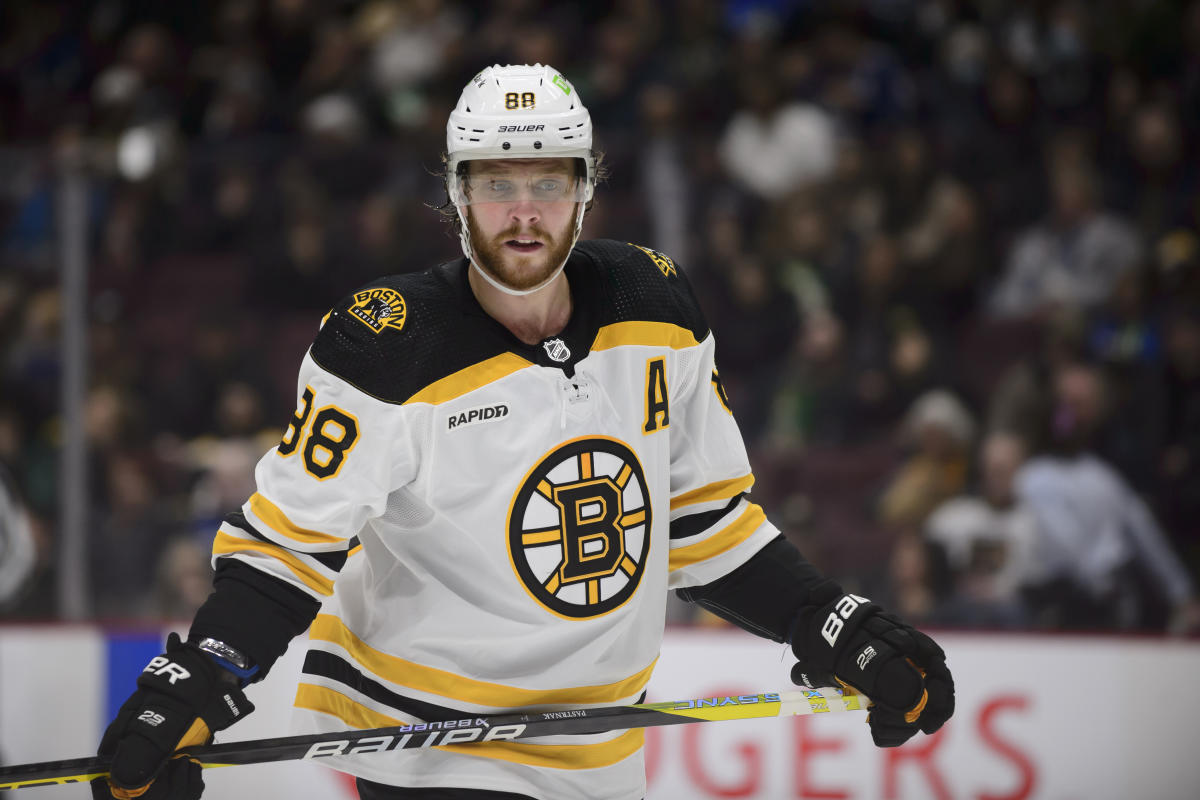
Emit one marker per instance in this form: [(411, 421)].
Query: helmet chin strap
[(508, 289), (469, 251)]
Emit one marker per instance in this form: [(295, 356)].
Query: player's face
[(521, 217)]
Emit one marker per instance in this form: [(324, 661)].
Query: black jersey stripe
[(334, 560), (332, 667), (336, 668), (238, 520), (696, 524)]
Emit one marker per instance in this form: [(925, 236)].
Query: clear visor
[(560, 180)]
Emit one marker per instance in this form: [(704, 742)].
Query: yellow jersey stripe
[(468, 690), (558, 756), (277, 521), (225, 544), (648, 334), (332, 702), (726, 539), (469, 379), (720, 490)]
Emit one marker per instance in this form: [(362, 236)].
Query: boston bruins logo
[(665, 265), (379, 308), (579, 528)]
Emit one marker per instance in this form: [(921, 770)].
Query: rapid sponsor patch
[(473, 416), (379, 308)]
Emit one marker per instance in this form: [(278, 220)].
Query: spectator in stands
[(232, 209), (33, 362), (222, 460), (666, 186), (939, 232), (378, 247), (1125, 339), (909, 175), (182, 578), (812, 404), (1154, 185), (27, 488), (999, 156), (989, 539), (859, 78), (1056, 44), (1107, 562), (1178, 485), (216, 355), (895, 356), (1019, 399), (854, 196), (939, 430), (1073, 258), (128, 537), (18, 552), (760, 319), (914, 578), (1124, 331), (772, 145), (817, 255)]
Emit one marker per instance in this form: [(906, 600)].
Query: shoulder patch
[(642, 285), (379, 308), (665, 265)]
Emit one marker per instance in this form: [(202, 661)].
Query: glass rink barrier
[(1039, 717)]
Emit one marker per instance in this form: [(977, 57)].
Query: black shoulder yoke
[(399, 334), (643, 285)]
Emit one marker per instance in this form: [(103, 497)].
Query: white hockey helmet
[(517, 111)]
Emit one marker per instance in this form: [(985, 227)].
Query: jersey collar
[(576, 338)]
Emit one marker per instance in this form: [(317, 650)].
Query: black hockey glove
[(182, 698), (900, 669)]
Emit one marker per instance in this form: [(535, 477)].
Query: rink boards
[(1047, 717)]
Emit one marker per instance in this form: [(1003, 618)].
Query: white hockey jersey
[(515, 515)]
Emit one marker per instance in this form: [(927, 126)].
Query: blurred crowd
[(950, 250)]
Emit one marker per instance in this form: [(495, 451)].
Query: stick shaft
[(501, 727)]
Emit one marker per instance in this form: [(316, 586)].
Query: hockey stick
[(501, 727)]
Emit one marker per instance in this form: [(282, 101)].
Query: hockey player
[(496, 471)]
